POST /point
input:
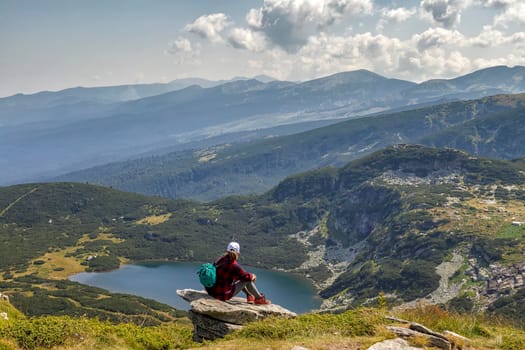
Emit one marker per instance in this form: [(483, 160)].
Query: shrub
[(461, 304), (52, 331), (41, 304), (40, 332), (103, 263), (513, 342)]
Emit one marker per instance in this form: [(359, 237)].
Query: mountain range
[(406, 221), (491, 126), (49, 134), (380, 191)]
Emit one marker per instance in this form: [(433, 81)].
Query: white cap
[(234, 247)]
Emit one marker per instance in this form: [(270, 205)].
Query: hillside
[(409, 221), (356, 329), (492, 126)]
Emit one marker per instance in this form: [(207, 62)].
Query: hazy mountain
[(72, 134), (186, 115), (485, 82), (400, 221), (492, 126), (86, 103)]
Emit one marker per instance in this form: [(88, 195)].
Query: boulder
[(205, 327), (214, 319), (431, 340)]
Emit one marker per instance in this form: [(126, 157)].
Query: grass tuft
[(82, 333), (360, 322)]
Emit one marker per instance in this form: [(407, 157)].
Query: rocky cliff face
[(421, 225)]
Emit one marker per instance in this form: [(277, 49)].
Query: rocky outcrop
[(446, 341), (214, 319), (499, 280), (506, 277)]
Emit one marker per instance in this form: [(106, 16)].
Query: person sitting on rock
[(232, 279)]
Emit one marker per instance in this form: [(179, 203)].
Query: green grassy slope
[(355, 329), (383, 223)]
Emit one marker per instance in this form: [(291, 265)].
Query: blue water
[(159, 281)]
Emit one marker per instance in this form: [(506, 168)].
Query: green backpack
[(207, 275)]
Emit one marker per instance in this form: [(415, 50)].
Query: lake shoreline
[(303, 274), (158, 279)]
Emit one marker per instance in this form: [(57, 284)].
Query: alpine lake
[(160, 281)]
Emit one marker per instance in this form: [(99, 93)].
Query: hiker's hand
[(254, 277)]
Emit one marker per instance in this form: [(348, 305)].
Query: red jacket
[(228, 272)]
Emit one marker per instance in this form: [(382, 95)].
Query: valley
[(385, 223), (396, 209), (368, 156)]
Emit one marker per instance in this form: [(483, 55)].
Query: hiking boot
[(262, 301), (250, 299)]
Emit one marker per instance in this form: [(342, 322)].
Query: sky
[(57, 44)]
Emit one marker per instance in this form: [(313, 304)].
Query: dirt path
[(17, 200)]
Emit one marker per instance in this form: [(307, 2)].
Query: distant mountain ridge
[(492, 126), (72, 133), (488, 81), (117, 93)]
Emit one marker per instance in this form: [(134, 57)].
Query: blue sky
[(56, 44)]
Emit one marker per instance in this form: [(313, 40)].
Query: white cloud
[(514, 13), (508, 60), (496, 3), (434, 63), (298, 39), (254, 18), (181, 45), (438, 37), (242, 38), (289, 23), (325, 54), (433, 53), (394, 15), (489, 37), (182, 50), (209, 26), (444, 12), (397, 14), (518, 39)]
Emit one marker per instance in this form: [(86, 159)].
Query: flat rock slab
[(436, 341), (214, 318), (235, 310)]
